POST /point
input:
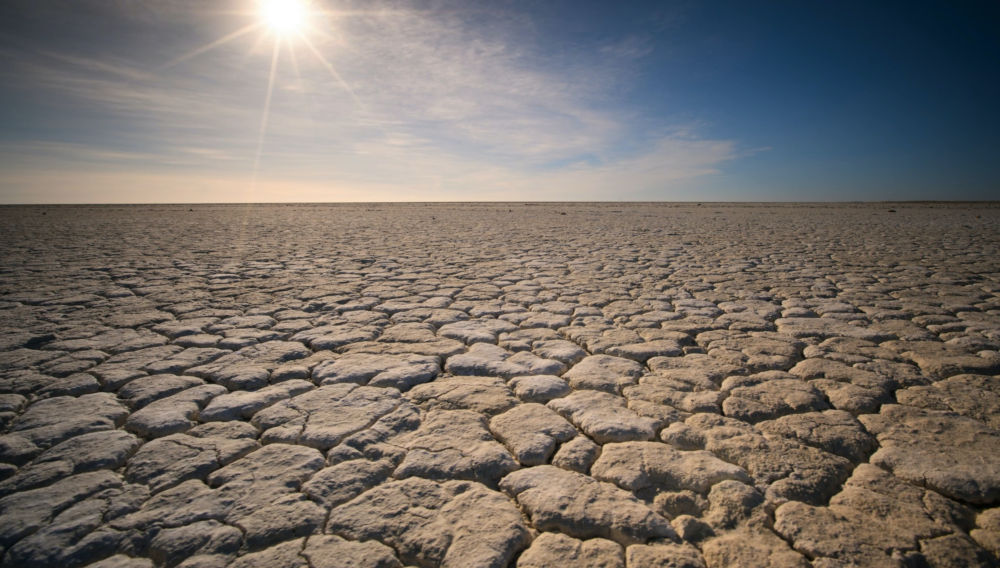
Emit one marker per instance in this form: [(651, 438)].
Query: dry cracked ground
[(500, 385)]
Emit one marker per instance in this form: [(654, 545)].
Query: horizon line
[(591, 202)]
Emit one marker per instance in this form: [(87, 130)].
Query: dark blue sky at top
[(898, 98), (813, 100)]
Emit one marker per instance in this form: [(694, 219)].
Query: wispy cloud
[(629, 47), (435, 104)]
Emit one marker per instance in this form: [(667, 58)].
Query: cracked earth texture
[(500, 385)]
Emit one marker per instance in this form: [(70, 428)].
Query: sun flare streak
[(212, 45), (286, 23), (265, 115), (329, 67)]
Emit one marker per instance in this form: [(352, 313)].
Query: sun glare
[(284, 17), (290, 24)]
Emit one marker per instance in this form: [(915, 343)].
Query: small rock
[(835, 431), (53, 420), (145, 390), (265, 476), (531, 432), (323, 417), (484, 330), (173, 414), (664, 556), (732, 502), (167, 461), (603, 373), (751, 547), (772, 399), (646, 350), (342, 482), (334, 336), (955, 550), (285, 554), (230, 430), (76, 536), (987, 531), (604, 417), (691, 529), (185, 503), (828, 327), (678, 394), (454, 444), (678, 503), (87, 452), (579, 506), (560, 350), (455, 523), (484, 359), (789, 470), (939, 360), (185, 359), (330, 551), (873, 516), (482, 394), (975, 396), (280, 521), (172, 545), (28, 511), (398, 371), (553, 549), (636, 466), (122, 561), (539, 388), (954, 455), (577, 455), (698, 370), (244, 404)]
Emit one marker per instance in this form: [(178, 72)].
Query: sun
[(284, 17), (290, 24)]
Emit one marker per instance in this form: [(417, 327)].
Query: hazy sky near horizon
[(128, 101)]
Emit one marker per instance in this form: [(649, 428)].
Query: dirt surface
[(500, 385)]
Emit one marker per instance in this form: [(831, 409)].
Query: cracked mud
[(500, 385)]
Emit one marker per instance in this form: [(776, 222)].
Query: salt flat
[(500, 384)]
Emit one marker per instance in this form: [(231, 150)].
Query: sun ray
[(285, 22), (333, 71), (255, 48), (295, 62), (265, 115), (212, 45)]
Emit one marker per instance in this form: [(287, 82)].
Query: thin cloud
[(445, 107), (629, 47)]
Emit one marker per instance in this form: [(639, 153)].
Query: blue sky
[(117, 101)]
